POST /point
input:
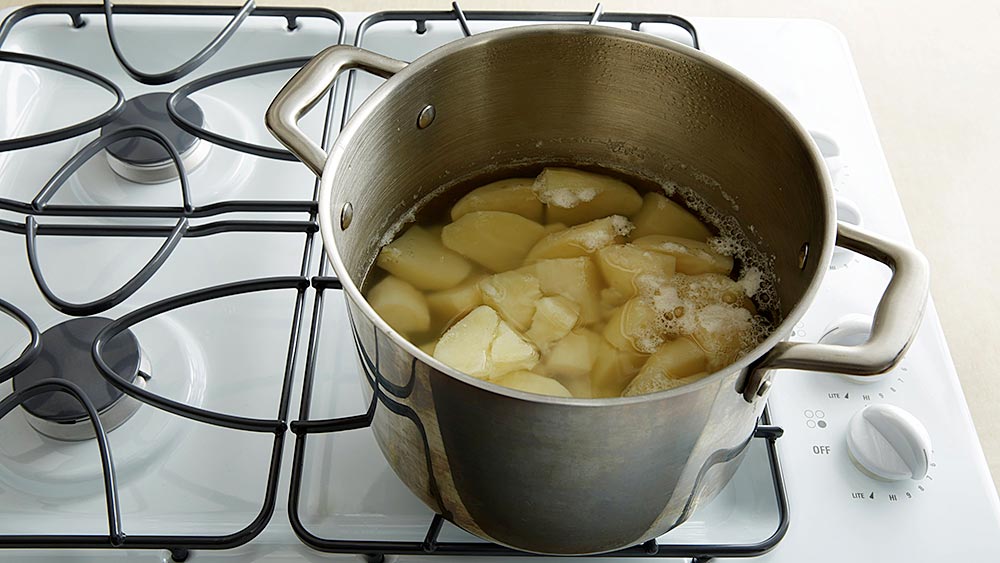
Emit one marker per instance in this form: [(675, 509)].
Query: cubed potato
[(554, 317), (513, 294), (622, 265), (611, 300), (574, 196), (693, 257), (532, 383), (571, 359), (676, 363), (660, 216), (483, 345), (554, 228), (725, 332), (401, 305), (636, 327), (614, 370), (581, 240), (428, 348), (510, 352), (577, 279), (513, 195), (419, 258), (495, 239), (449, 305), (466, 345)]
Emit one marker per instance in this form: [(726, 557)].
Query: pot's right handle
[(895, 323), (308, 87)]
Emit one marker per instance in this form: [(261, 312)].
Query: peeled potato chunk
[(482, 345), (622, 265), (554, 228), (635, 327), (428, 348), (513, 195), (660, 216), (401, 305), (466, 345), (581, 240), (614, 369), (514, 295), (510, 352), (571, 359), (574, 196), (554, 317), (693, 257), (611, 300), (419, 258), (449, 305), (532, 383), (724, 331), (576, 279), (676, 363), (495, 239)]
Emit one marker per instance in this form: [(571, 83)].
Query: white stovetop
[(828, 524)]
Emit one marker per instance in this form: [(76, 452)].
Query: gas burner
[(143, 160), (66, 355)]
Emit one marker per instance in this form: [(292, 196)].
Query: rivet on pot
[(346, 215), (426, 117), (803, 255), (765, 386)]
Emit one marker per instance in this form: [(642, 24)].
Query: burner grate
[(178, 545)]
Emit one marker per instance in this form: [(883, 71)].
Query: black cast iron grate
[(40, 206)]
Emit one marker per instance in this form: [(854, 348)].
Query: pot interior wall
[(581, 96)]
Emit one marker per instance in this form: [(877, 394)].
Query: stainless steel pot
[(578, 476)]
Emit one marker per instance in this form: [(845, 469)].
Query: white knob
[(848, 212), (889, 443), (851, 330), (826, 144)]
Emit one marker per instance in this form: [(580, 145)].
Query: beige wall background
[(931, 72)]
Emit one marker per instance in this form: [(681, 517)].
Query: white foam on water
[(732, 240)]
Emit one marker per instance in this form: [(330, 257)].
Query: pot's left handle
[(308, 87)]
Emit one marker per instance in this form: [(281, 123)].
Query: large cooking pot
[(578, 476)]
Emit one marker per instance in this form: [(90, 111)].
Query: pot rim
[(373, 103)]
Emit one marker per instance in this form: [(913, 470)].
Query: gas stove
[(144, 207)]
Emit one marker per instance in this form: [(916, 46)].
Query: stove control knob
[(888, 443), (851, 330)]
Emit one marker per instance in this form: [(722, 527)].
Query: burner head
[(66, 354), (143, 160)]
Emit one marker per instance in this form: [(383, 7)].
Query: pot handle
[(894, 326), (308, 86)]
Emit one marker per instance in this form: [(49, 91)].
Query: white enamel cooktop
[(179, 476)]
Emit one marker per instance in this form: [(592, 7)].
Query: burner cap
[(144, 160), (66, 354), (150, 110)]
